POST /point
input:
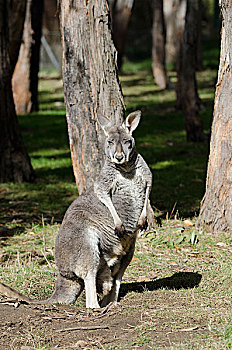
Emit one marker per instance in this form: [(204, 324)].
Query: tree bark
[(15, 23), (216, 206), (158, 45), (91, 85), (186, 88), (25, 78), (120, 11), (174, 15), (14, 162)]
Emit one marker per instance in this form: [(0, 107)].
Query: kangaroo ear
[(132, 121), (104, 123)]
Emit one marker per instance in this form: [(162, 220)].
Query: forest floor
[(176, 293)]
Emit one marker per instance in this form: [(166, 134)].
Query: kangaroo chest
[(128, 197)]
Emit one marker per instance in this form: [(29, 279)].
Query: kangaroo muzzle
[(119, 157)]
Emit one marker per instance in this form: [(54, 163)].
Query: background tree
[(186, 89), (14, 162), (158, 45), (216, 206), (174, 15), (120, 11), (91, 85), (25, 78), (15, 19), (199, 57)]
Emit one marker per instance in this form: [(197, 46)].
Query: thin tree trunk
[(186, 89), (25, 78), (15, 25), (120, 16), (174, 15), (91, 85), (158, 46), (199, 57), (14, 161), (169, 8), (216, 206)]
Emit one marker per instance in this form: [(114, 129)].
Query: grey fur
[(97, 237)]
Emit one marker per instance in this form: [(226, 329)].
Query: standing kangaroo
[(96, 240)]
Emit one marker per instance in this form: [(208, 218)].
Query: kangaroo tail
[(12, 293)]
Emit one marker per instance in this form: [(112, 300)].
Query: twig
[(90, 328), (46, 258)]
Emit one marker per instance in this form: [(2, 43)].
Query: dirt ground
[(139, 321)]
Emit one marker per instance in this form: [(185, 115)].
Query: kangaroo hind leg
[(66, 291), (91, 291)]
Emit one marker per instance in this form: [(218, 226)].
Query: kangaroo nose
[(119, 157)]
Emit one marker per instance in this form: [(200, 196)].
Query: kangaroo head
[(120, 144)]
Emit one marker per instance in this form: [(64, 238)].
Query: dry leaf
[(176, 246), (221, 244), (81, 343), (188, 223), (189, 329), (172, 263)]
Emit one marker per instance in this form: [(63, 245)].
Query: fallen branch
[(90, 328)]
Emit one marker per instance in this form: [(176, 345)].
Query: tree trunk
[(216, 206), (14, 162), (120, 11), (199, 57), (15, 23), (158, 46), (25, 78), (174, 15), (186, 89), (91, 85)]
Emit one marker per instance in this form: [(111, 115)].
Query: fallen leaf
[(188, 223), (189, 329), (81, 343), (135, 259), (172, 263), (221, 244), (176, 246)]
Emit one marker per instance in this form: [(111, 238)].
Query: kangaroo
[(96, 240)]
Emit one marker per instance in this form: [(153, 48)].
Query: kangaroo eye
[(110, 142), (128, 143)]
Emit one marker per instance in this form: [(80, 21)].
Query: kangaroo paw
[(142, 224), (119, 230)]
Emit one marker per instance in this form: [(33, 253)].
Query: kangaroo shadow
[(177, 281)]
